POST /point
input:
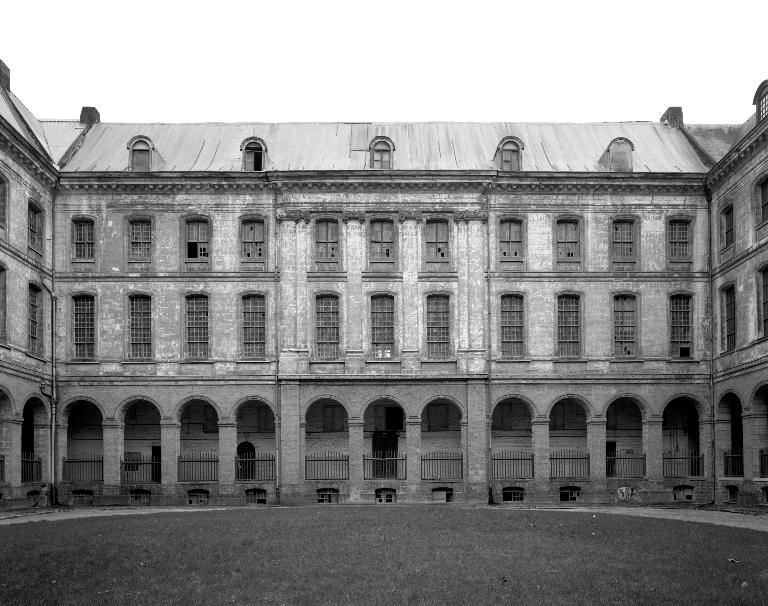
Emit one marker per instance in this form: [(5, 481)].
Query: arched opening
[(568, 453), (511, 440), (441, 453), (197, 496), (255, 459), (326, 440), (199, 443), (253, 157), (142, 454), (624, 456), (6, 436), (85, 447), (384, 439), (680, 435), (730, 435), (34, 441), (760, 429)]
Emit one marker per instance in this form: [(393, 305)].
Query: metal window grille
[(765, 302), (763, 197), (624, 252), (197, 326), (568, 248), (438, 327), (140, 321), (140, 240), (729, 296), (624, 327), (327, 315), (511, 241), (3, 201), (568, 335), (83, 239), (438, 254), (35, 223), (679, 240), (197, 239), (82, 323), (727, 222), (680, 326), (252, 238), (764, 107), (382, 326), (254, 157), (382, 156), (510, 157), (327, 242), (254, 326), (382, 246), (511, 326), (327, 495), (35, 319)]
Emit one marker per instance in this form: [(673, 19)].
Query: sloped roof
[(549, 147), (60, 135), (717, 139)]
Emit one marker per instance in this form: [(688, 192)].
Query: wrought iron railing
[(141, 470), (326, 465), (681, 464), (733, 462), (199, 467), (384, 466), (84, 467), (624, 466), (569, 464), (442, 465), (255, 466), (512, 464), (31, 467)]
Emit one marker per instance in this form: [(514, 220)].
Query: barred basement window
[(680, 326), (512, 345), (83, 326), (140, 241), (511, 244), (624, 247), (254, 326), (570, 493), (382, 245), (197, 327), (679, 240), (327, 245), (252, 240), (512, 493), (197, 240), (624, 326), (327, 326), (381, 156), (568, 243), (438, 326), (253, 157), (386, 495), (4, 191), (256, 496), (726, 227), (438, 256), (382, 326), (327, 495), (140, 327), (197, 497), (140, 496), (82, 497), (82, 235), (35, 320), (729, 318), (568, 326), (35, 228)]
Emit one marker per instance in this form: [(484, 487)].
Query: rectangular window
[(252, 240), (35, 224), (140, 327), (624, 326), (764, 197), (382, 326), (334, 418), (254, 326), (726, 227), (3, 201), (140, 241), (624, 248), (382, 245), (327, 316), (438, 327), (198, 235), (765, 302), (568, 243), (327, 245), (568, 326), (3, 305), (680, 326), (35, 320), (729, 318), (511, 244), (83, 327), (197, 327), (437, 254), (679, 240), (83, 238), (512, 326)]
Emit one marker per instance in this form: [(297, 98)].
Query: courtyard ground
[(403, 554)]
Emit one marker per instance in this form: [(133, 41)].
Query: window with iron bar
[(140, 236), (568, 326), (83, 236), (252, 239), (35, 223), (327, 244), (3, 201), (511, 243), (197, 240), (382, 245), (624, 326), (197, 326), (3, 304), (679, 240), (83, 326), (382, 326), (512, 345), (568, 245), (729, 318), (765, 302), (680, 326), (140, 327), (726, 227), (438, 256), (35, 320), (254, 326), (763, 109), (624, 247), (438, 326), (764, 201), (327, 318)]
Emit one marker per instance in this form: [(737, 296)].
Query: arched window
[(381, 154), (508, 156), (619, 154), (254, 155), (761, 101), (141, 152)]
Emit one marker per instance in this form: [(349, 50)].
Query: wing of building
[(324, 312)]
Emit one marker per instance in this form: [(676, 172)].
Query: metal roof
[(60, 135), (549, 147), (32, 123)]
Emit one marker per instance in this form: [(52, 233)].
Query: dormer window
[(381, 154), (141, 155), (508, 155), (254, 155), (618, 156), (761, 101)]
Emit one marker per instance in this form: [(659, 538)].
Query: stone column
[(540, 431), (304, 313), (653, 445), (354, 254), (413, 453), (410, 303), (42, 450), (722, 442), (291, 437), (227, 452), (169, 452), (356, 446), (750, 472), (287, 293), (596, 446), (61, 450), (705, 444), (10, 446), (475, 443), (461, 256), (112, 445)]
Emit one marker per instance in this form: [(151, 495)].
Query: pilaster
[(227, 452), (169, 453)]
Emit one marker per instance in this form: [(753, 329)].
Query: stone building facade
[(383, 312)]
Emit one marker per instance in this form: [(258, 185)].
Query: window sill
[(513, 360), (371, 360), (326, 360), (322, 276), (86, 261), (438, 275), (626, 360), (438, 360), (147, 361), (382, 275), (681, 360), (86, 361), (196, 361), (512, 266)]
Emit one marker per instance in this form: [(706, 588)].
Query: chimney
[(90, 116), (673, 116), (5, 76)]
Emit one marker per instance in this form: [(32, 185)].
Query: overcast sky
[(162, 61)]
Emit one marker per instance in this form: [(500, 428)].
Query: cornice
[(15, 148), (741, 152)]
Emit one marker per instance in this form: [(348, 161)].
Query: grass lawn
[(380, 555)]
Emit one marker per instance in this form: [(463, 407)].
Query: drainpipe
[(712, 341), (488, 344), (275, 318), (53, 500)]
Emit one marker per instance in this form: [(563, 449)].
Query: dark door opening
[(156, 458), (384, 447)]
